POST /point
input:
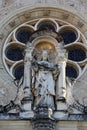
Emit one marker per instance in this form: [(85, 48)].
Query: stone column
[(27, 99), (27, 70), (61, 82)]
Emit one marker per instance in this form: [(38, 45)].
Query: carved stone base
[(61, 112), (61, 106), (43, 124), (26, 107), (60, 115), (26, 104), (26, 115), (43, 119), (43, 112)]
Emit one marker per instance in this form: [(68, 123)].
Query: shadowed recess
[(14, 54), (19, 72), (76, 54), (23, 35), (68, 36), (46, 25), (71, 72)]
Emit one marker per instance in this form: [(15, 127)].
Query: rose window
[(74, 42)]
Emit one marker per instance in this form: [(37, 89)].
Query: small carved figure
[(42, 77), (44, 81)]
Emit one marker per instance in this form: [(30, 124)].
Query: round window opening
[(13, 52), (18, 72)]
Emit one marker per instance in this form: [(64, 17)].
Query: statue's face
[(45, 55)]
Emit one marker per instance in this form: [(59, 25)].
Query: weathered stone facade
[(13, 14), (78, 6)]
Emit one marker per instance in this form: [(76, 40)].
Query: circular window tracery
[(13, 51), (72, 69), (69, 34), (23, 33), (77, 54), (47, 24), (18, 71), (71, 72)]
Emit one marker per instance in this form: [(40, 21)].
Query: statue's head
[(45, 55)]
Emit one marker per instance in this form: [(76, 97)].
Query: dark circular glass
[(71, 72), (76, 54), (14, 54), (19, 72), (23, 35), (68, 36), (46, 25)]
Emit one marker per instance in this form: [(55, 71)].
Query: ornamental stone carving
[(42, 69), (44, 80)]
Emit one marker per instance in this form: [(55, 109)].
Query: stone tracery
[(29, 41), (19, 38)]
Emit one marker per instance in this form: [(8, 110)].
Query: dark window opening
[(19, 72), (14, 54), (68, 36), (76, 55), (46, 25), (71, 72), (23, 35)]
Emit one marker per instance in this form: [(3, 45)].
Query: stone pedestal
[(43, 119), (26, 115), (43, 113), (61, 110), (26, 108), (43, 124)]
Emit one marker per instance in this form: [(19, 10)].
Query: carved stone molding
[(43, 124)]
